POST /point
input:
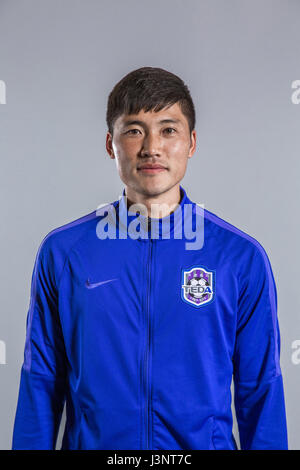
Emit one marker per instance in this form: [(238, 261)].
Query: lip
[(151, 169)]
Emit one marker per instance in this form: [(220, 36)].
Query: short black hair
[(149, 88)]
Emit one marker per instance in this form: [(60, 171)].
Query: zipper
[(146, 362)]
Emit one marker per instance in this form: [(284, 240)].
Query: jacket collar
[(134, 225)]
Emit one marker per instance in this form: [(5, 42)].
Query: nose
[(151, 146)]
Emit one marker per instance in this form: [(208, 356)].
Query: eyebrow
[(130, 122)]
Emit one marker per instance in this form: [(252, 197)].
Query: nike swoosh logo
[(91, 285)]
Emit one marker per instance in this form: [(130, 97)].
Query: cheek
[(181, 167), (178, 157), (123, 149), (125, 164), (178, 150), (130, 146)]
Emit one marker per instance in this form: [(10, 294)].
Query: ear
[(109, 147), (192, 144)]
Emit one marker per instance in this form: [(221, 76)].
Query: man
[(139, 329)]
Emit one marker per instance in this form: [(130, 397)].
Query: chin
[(156, 189)]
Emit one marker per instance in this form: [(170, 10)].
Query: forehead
[(166, 115)]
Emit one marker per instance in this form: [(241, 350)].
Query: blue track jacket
[(140, 335)]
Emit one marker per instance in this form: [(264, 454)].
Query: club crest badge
[(198, 286)]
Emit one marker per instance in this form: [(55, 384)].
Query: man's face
[(152, 139)]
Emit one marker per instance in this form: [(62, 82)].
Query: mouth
[(151, 169)]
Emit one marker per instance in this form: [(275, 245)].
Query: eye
[(132, 131), (170, 129)]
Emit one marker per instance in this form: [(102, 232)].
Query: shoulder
[(236, 243), (64, 236), (58, 243)]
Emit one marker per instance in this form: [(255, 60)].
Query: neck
[(157, 206)]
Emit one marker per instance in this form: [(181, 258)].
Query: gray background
[(60, 59)]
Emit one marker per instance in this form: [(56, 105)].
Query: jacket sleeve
[(43, 373), (258, 384)]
